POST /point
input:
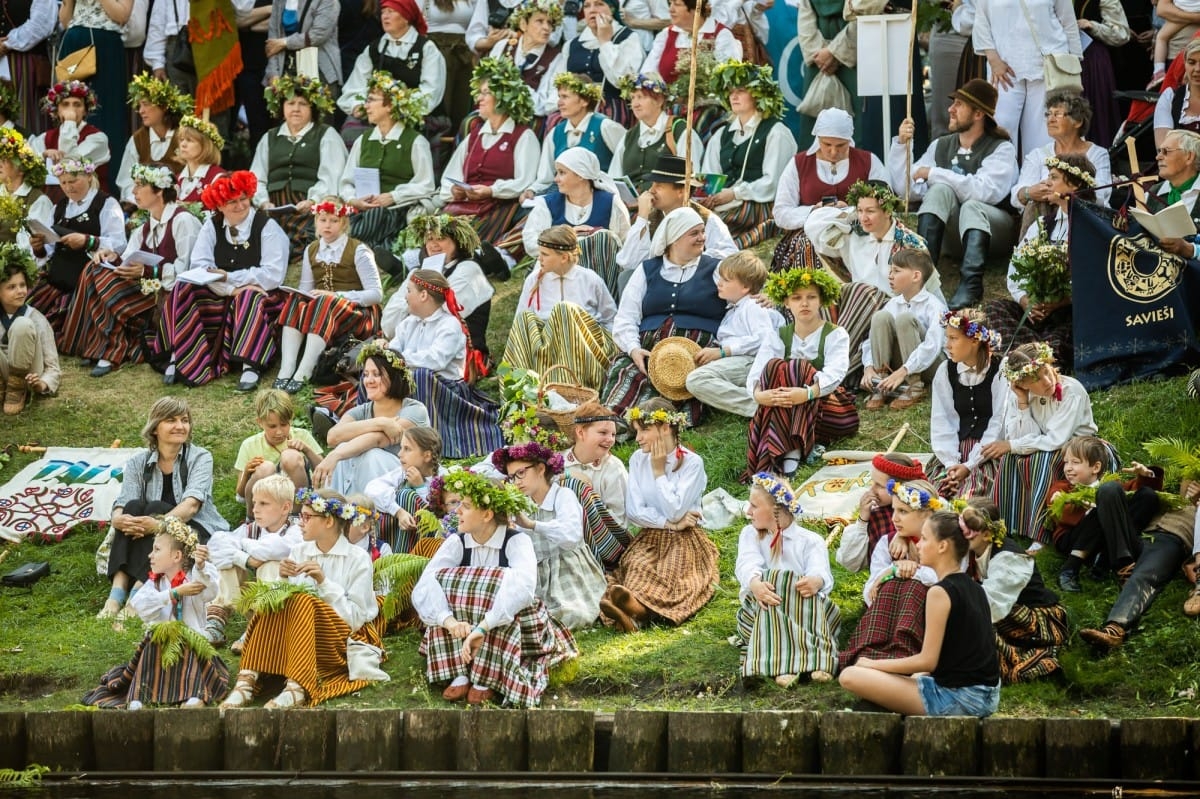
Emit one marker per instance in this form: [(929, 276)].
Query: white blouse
[(789, 213), (746, 326), (943, 420), (236, 547), (1003, 26), (649, 135), (611, 132), (371, 292), (990, 184), (94, 147), (831, 374), (881, 565), (725, 45), (152, 602), (112, 223), (1034, 170), (433, 71), (349, 579), (421, 187), (804, 554), (272, 266), (329, 170), (158, 153), (185, 229), (779, 151), (1048, 424), (608, 478), (471, 288), (562, 531), (717, 242), (651, 502), (437, 343), (867, 258), (545, 96), (539, 219), (629, 313), (580, 285), (525, 162), (1005, 575)]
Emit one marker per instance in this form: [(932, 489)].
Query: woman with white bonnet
[(820, 176), (585, 198), (673, 293)]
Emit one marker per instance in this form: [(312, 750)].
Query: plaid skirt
[(775, 431), (751, 223), (893, 626), (330, 317), (570, 337), (672, 573), (298, 226), (794, 250), (306, 642), (110, 317), (55, 304), (797, 636), (571, 584), (467, 420), (1027, 642), (625, 386), (514, 660), (606, 538), (1057, 329), (857, 304), (979, 481), (143, 679)]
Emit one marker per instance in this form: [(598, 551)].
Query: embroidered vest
[(165, 246), (582, 61), (813, 189), (698, 295), (972, 403), (668, 65), (601, 215), (788, 333), (638, 162), (946, 155), (508, 536), (590, 140), (407, 70), (531, 74), (294, 165), (487, 165), (203, 183), (744, 162), (393, 158), (141, 143), (66, 265), (234, 259), (341, 276)]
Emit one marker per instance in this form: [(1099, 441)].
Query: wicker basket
[(571, 392)]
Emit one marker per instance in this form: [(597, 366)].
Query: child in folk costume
[(600, 481), (172, 595), (873, 520), (580, 126), (668, 572), (340, 276), (893, 624), (260, 545), (28, 359), (364, 531), (199, 148), (330, 607), (69, 104), (786, 621), (399, 493), (433, 340), (564, 315), (796, 378), (968, 403), (487, 633), (160, 105), (1042, 412), (570, 579)]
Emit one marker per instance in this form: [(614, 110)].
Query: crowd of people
[(449, 144)]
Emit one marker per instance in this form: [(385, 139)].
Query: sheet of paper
[(1173, 222), (38, 229), (306, 62), (144, 258), (366, 181), (290, 208), (200, 276), (434, 262), (626, 190), (5, 69), (462, 184)]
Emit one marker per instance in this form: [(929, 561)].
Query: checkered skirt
[(892, 627)]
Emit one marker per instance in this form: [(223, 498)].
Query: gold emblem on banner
[(1134, 283)]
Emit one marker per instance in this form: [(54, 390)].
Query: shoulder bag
[(1061, 71)]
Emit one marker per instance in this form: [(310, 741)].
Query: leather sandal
[(243, 690), (1124, 573), (1191, 605), (1110, 636), (292, 695)]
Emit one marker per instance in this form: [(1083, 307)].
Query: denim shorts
[(970, 700)]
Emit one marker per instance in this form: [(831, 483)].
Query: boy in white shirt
[(719, 380), (905, 346)]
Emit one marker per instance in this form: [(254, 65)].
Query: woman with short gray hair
[(1068, 117)]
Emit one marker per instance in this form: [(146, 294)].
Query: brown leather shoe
[(875, 402), (1191, 605), (477, 697), (456, 693), (1110, 636), (16, 395)]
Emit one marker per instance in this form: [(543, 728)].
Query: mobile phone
[(829, 199)]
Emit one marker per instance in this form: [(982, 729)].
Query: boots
[(970, 286), (930, 228), (15, 395)]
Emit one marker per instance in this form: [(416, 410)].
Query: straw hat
[(671, 361)]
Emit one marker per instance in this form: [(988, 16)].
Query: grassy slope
[(52, 650)]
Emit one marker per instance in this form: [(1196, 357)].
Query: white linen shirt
[(349, 579), (433, 71), (1003, 26), (371, 292), (725, 45), (158, 153), (649, 135), (471, 289), (868, 259), (185, 228), (804, 555), (717, 242), (539, 219), (745, 326), (928, 310), (626, 324), (152, 602), (990, 184), (943, 420), (167, 18), (1048, 424), (273, 262), (545, 96), (95, 147), (1005, 575), (421, 187), (828, 378), (329, 170), (778, 152), (1034, 170), (789, 213), (579, 285), (608, 477), (437, 343), (235, 547), (617, 59), (43, 17), (525, 162), (652, 502), (610, 131)]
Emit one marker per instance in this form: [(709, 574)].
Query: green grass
[(52, 650)]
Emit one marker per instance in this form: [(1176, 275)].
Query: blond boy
[(279, 448)]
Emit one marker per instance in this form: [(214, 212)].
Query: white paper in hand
[(366, 181), (200, 276), (38, 229), (143, 258), (434, 262)]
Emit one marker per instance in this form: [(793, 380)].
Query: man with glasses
[(1178, 166)]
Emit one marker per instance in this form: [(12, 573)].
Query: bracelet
[(810, 393), (479, 629), (722, 351)]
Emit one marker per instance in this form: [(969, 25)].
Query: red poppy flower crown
[(229, 188)]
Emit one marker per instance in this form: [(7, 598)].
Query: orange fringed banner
[(212, 31)]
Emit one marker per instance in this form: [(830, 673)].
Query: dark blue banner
[(1135, 305)]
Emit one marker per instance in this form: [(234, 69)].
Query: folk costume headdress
[(228, 188), (781, 285), (509, 92), (162, 93), (70, 88), (285, 87), (756, 79)]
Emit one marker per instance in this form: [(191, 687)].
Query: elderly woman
[(1068, 118), (752, 150), (530, 50), (606, 51), (820, 177), (161, 106), (585, 198), (171, 476), (114, 307), (580, 126), (403, 52), (1178, 108), (656, 132), (674, 293), (198, 147), (666, 56)]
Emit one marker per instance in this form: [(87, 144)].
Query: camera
[(571, 8), (498, 17)]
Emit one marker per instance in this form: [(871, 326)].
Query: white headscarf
[(673, 226), (583, 162), (834, 123)]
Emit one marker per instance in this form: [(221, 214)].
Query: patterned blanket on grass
[(833, 492)]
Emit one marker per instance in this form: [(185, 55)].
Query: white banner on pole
[(883, 55)]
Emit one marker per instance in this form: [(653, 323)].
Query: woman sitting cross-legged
[(328, 608), (487, 634)]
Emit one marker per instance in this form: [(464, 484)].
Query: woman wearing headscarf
[(653, 132), (606, 51), (404, 52)]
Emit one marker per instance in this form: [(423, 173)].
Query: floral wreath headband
[(160, 177), (285, 87), (532, 452), (592, 92), (1088, 180), (972, 330), (758, 80), (781, 285), (390, 356), (206, 129), (14, 147), (333, 208), (889, 202), (406, 106), (676, 419), (74, 166), (181, 532), (71, 88), (12, 253), (914, 498), (645, 81), (338, 508), (161, 93), (510, 93), (530, 7), (504, 498), (1043, 356), (779, 490)]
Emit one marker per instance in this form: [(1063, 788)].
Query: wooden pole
[(912, 44), (1139, 192), (691, 102)]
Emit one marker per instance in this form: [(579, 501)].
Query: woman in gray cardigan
[(296, 24)]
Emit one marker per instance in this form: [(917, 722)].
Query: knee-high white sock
[(314, 345), (290, 341)]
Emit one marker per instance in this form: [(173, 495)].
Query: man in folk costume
[(404, 52), (966, 175), (1178, 168)]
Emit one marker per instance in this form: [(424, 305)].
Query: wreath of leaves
[(399, 572), (269, 597), (285, 87), (510, 93), (756, 79)]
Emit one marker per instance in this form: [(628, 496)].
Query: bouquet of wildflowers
[(1041, 269)]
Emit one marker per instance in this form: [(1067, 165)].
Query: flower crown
[(530, 7), (1084, 178), (522, 425), (74, 166), (381, 350), (677, 419), (456, 228), (206, 129), (579, 84), (181, 532), (510, 93), (336, 507), (285, 87), (161, 93), (972, 330), (406, 106), (228, 188), (14, 147), (504, 499), (643, 81), (758, 80), (888, 201), (781, 285), (333, 208), (437, 487), (10, 103), (530, 451), (914, 498), (71, 88), (11, 253), (779, 490), (159, 177), (1043, 356)]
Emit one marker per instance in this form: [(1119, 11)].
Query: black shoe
[(293, 386), (279, 383), (321, 422), (970, 285), (1069, 582), (101, 371), (930, 228)]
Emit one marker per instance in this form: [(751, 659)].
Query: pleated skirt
[(569, 337), (110, 317), (330, 317), (671, 572)]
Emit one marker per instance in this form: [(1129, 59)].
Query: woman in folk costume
[(404, 52), (820, 176), (26, 30), (329, 609), (668, 572), (497, 159), (606, 51), (115, 306), (564, 314), (161, 106), (23, 177), (797, 377), (395, 148), (585, 198), (340, 277), (198, 146), (655, 133), (171, 603), (209, 329), (670, 54), (752, 150), (487, 634), (599, 479), (95, 220), (302, 160), (580, 126), (69, 103), (787, 623), (529, 49)]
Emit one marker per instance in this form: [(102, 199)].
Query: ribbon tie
[(1058, 392)]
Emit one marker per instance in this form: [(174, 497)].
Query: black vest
[(407, 70), (66, 265), (946, 155), (583, 61), (508, 536), (744, 162), (972, 403), (247, 254)]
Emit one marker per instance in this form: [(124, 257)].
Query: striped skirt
[(55, 305), (571, 584), (143, 679), (570, 337), (1027, 642), (1057, 330), (31, 77), (892, 627), (775, 431), (857, 304), (797, 636), (207, 332), (492, 219), (606, 538), (626, 386), (751, 223), (794, 250), (110, 317), (979, 481), (390, 531), (379, 227), (338, 398), (306, 642), (514, 660), (1021, 490), (467, 420), (330, 317), (672, 573), (298, 226)]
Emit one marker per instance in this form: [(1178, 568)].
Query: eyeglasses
[(306, 517), (1168, 150), (1055, 114), (519, 474)]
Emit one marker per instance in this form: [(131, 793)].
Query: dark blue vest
[(591, 139), (601, 208), (583, 61), (705, 309)]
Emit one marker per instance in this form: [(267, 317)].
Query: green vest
[(788, 332), (392, 158), (744, 162), (945, 152), (294, 165), (637, 163)]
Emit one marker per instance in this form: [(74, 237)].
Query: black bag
[(388, 263), (179, 51), (337, 362), (26, 576), (491, 262)]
